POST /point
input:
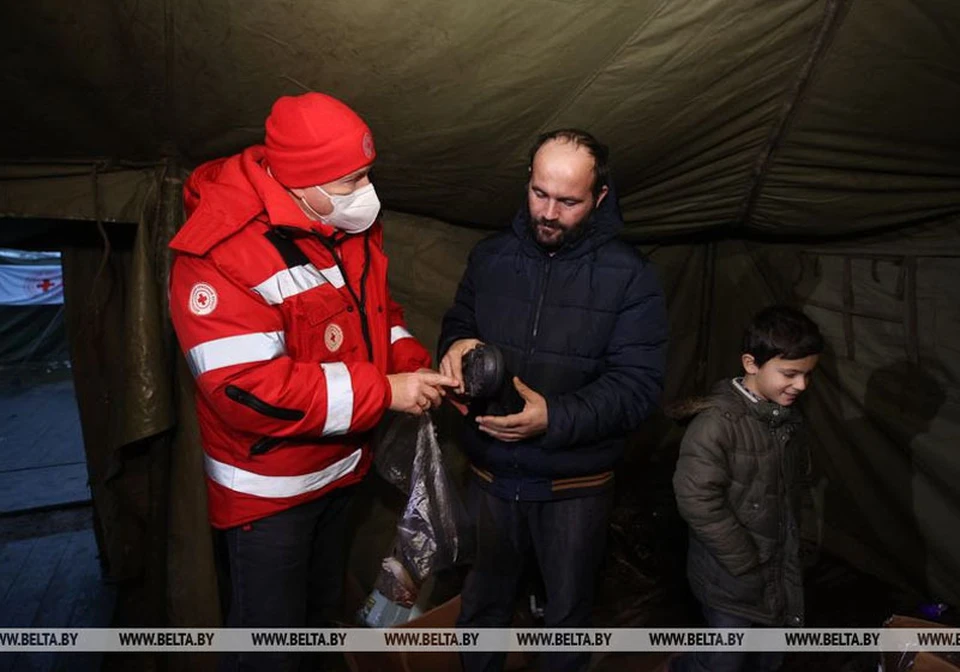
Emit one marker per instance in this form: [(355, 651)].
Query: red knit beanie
[(315, 139)]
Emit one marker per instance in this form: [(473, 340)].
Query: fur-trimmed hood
[(725, 398)]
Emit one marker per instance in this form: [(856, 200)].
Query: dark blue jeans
[(567, 538), (286, 571), (719, 661)]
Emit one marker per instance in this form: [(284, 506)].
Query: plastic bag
[(395, 447), (433, 532)]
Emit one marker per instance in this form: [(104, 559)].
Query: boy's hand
[(529, 422)]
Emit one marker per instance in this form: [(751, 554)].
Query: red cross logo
[(203, 299), (45, 284), (333, 337), (367, 145)]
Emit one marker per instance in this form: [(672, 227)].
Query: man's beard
[(558, 236)]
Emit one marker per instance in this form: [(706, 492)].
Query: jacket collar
[(726, 396), (279, 203)]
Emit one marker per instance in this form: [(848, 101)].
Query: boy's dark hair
[(599, 151), (781, 331)]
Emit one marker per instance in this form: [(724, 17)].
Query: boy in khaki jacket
[(738, 483)]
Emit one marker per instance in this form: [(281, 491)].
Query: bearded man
[(579, 317)]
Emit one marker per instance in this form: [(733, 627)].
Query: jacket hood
[(223, 195), (727, 399), (603, 224)]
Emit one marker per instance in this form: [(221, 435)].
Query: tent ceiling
[(690, 94)]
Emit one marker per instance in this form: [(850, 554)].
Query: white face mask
[(354, 212)]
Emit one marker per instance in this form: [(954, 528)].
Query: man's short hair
[(599, 151), (781, 331)]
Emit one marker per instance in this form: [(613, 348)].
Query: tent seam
[(833, 16), (589, 80)]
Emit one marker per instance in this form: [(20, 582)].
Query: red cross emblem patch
[(367, 145), (203, 299), (333, 337)]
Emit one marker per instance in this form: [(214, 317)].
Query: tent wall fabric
[(803, 151), (810, 116), (121, 350), (92, 191)]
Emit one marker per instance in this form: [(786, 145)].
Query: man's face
[(560, 193), (339, 187), (780, 380)]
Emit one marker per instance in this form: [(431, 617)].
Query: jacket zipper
[(249, 400), (265, 445), (780, 601), (362, 299), (545, 276)]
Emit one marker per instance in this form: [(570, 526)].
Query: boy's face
[(779, 380)]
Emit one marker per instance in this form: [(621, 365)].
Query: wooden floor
[(50, 575)]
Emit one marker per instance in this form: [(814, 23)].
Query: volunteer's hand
[(529, 422), (419, 391), (441, 389), (451, 364)]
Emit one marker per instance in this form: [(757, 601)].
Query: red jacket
[(289, 330)]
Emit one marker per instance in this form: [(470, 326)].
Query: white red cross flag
[(29, 285)]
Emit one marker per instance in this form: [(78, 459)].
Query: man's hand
[(531, 421), (417, 392), (451, 364)]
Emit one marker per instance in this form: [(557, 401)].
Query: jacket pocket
[(267, 444), (327, 328), (766, 547), (714, 585), (257, 404), (759, 522), (749, 511)]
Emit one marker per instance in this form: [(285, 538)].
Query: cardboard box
[(914, 661)]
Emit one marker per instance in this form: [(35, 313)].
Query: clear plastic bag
[(434, 530)]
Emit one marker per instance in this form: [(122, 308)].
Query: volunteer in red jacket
[(279, 299)]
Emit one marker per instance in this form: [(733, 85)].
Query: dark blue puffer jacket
[(586, 328)]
